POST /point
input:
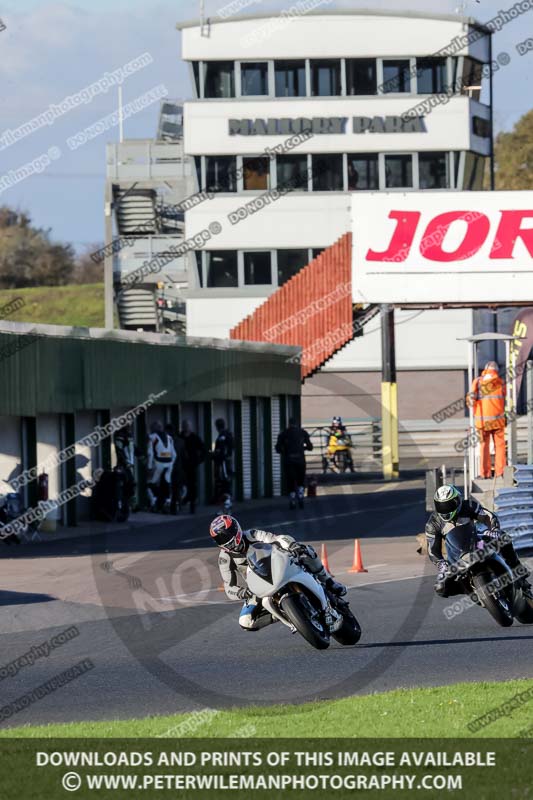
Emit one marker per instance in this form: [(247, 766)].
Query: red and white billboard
[(442, 247)]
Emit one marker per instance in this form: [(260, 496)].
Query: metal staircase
[(136, 212), (137, 309), (313, 310)]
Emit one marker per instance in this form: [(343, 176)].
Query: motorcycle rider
[(161, 457), (234, 543), (338, 436), (337, 428), (452, 510)]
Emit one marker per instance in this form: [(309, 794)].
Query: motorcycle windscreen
[(460, 540), (260, 560)]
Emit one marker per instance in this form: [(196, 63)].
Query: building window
[(470, 81), (290, 262), (481, 127), (326, 78), (396, 75), (221, 173), (254, 78), (316, 251), (328, 173), (433, 171), (196, 73), (399, 172), (257, 268), (431, 75), (199, 274), (198, 170), (290, 78), (222, 269), (363, 171), (361, 76), (256, 173), (292, 172), (219, 79)]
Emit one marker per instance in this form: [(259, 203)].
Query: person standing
[(222, 462), (291, 445), (178, 488), (195, 453), (126, 452), (161, 456), (487, 397)]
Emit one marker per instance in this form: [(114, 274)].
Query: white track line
[(295, 520)]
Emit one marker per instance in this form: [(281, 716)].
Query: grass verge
[(77, 304), (435, 712)]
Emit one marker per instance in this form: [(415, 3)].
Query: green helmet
[(448, 500)]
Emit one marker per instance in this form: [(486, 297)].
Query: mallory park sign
[(325, 125)]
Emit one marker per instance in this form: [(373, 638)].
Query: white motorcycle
[(297, 599)]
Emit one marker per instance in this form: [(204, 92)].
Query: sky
[(49, 50)]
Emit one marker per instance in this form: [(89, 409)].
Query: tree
[(28, 257), (514, 156), (86, 270)]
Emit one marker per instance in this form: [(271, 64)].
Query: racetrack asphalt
[(162, 638)]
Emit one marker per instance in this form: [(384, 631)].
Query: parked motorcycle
[(12, 508), (297, 599), (481, 570), (338, 456)]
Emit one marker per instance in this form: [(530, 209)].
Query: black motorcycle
[(477, 565), (11, 509)]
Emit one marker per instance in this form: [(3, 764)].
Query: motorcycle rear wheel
[(524, 610), (297, 607), (497, 607)]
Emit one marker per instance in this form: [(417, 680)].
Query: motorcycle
[(338, 454), (11, 509), (296, 598), (478, 566)]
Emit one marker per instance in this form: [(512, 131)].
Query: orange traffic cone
[(324, 558), (357, 565)]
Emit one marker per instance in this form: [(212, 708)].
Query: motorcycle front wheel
[(340, 459), (301, 612), (350, 631), (497, 605)]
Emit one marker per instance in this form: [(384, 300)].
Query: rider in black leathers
[(451, 510)]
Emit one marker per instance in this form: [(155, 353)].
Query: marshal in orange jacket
[(487, 395)]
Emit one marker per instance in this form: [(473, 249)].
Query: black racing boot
[(527, 589), (336, 588)]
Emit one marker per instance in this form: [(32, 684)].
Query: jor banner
[(522, 344)]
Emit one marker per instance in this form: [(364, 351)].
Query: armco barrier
[(514, 506)]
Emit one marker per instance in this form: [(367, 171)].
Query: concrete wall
[(356, 395), (48, 445), (11, 455), (328, 35)]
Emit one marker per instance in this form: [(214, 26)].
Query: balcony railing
[(146, 159)]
